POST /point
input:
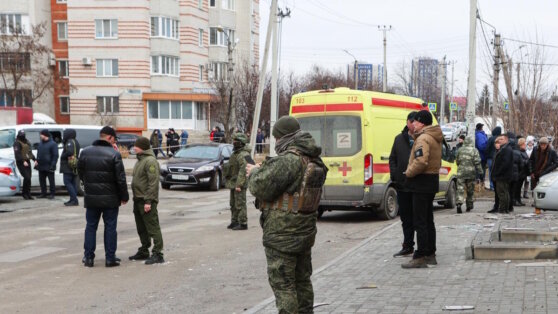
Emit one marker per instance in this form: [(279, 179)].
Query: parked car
[(127, 140), (450, 133), (546, 192), (197, 164), (9, 180)]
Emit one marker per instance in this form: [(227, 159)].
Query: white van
[(85, 135)]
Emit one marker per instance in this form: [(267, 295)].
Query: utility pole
[(506, 70), (471, 92), (355, 72), (385, 29), (451, 91), (443, 100), (274, 80), (495, 80), (270, 31)]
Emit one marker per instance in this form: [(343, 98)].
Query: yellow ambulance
[(356, 130)]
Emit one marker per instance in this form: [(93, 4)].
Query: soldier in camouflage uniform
[(235, 175), (288, 231), (469, 168)]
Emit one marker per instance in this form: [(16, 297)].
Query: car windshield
[(447, 129), (199, 152), (338, 135), (7, 138)]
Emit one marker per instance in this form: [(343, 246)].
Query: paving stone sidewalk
[(347, 284)]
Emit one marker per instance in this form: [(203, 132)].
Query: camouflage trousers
[(465, 186), (289, 278), (238, 207)]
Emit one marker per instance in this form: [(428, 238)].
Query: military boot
[(459, 211), (419, 262), (232, 225), (155, 259), (240, 227), (139, 256)]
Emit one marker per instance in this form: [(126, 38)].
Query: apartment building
[(426, 78), (18, 17), (145, 64), (369, 75)]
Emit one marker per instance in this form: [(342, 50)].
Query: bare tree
[(22, 65), (223, 108), (403, 84), (246, 85)]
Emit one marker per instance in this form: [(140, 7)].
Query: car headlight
[(546, 182), (204, 168), (165, 167)]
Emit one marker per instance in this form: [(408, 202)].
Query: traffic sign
[(432, 106), (453, 106), (506, 106)]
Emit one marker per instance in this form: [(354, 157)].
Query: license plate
[(180, 177)]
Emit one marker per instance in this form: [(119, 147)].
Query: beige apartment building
[(21, 15), (143, 65)]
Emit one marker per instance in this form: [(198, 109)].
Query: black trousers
[(26, 174), (405, 201), (512, 198), (423, 221), (496, 198), (518, 186), (43, 175)]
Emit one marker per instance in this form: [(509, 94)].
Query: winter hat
[(143, 143), (411, 116), (45, 132), (543, 140), (240, 137), (21, 134), (285, 125), (424, 117)]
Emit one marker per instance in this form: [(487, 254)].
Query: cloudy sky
[(319, 30)]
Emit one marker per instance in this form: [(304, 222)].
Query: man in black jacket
[(70, 153), (491, 151), (47, 157), (502, 173), (23, 156), (398, 162), (101, 169)]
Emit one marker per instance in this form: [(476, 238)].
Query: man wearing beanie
[(47, 158), (422, 179), (287, 190), (145, 186)]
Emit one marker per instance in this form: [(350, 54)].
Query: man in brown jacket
[(422, 180)]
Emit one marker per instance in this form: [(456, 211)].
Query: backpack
[(72, 163)]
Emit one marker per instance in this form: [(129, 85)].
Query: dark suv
[(197, 164)]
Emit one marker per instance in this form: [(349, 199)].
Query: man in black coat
[(491, 151), (517, 168), (69, 154), (502, 172), (398, 162), (47, 157), (101, 169)]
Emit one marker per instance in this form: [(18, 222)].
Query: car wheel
[(165, 186), (81, 187), (451, 195), (390, 207), (215, 182)]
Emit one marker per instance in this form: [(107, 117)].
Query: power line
[(530, 42)]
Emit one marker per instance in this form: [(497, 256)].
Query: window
[(200, 75), (218, 71), (9, 60), (227, 4), (212, 3), (200, 37), (11, 24), (62, 30), (22, 98), (186, 110), (153, 109), (107, 104), (107, 67), (64, 104), (176, 110), (63, 68), (106, 28), (165, 65), (163, 110), (338, 135), (200, 4), (200, 111), (164, 27), (218, 38), (61, 1)]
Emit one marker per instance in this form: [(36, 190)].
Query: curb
[(351, 251)]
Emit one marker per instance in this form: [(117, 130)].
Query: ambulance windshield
[(337, 135)]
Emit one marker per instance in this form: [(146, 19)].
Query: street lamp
[(356, 67)]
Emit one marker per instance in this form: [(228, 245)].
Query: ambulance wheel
[(390, 207), (451, 195)]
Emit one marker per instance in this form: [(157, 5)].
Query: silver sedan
[(546, 192), (9, 180)]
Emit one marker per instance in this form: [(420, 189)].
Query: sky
[(319, 30)]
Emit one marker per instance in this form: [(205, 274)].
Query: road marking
[(27, 253)]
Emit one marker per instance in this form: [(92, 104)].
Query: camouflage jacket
[(235, 169), (285, 231), (145, 181), (468, 161)]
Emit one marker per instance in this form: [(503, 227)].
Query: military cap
[(285, 125)]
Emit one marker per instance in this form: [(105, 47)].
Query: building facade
[(17, 19), (426, 78), (147, 64), (370, 76)]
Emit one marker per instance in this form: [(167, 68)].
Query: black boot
[(240, 227), (232, 225), (405, 251), (139, 256), (459, 211), (155, 259)]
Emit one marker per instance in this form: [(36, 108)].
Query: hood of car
[(189, 162)]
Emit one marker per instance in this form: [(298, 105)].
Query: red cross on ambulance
[(344, 169)]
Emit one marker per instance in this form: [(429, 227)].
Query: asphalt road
[(209, 268)]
